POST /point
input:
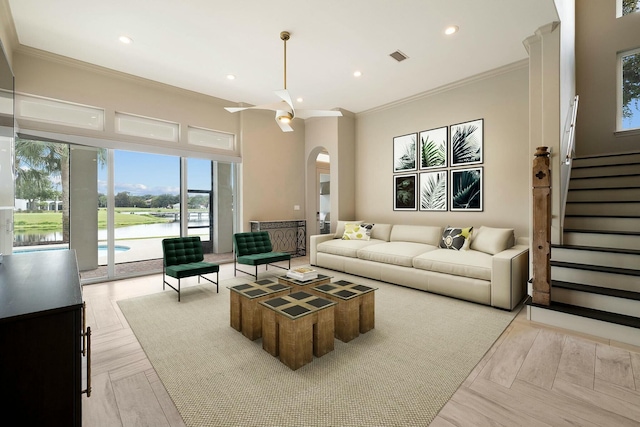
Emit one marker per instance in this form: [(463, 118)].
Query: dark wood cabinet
[(41, 339)]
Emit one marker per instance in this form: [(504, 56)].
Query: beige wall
[(501, 99), (599, 37)]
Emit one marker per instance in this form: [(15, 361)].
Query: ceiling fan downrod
[(284, 36)]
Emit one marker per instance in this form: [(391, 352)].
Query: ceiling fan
[(284, 108)]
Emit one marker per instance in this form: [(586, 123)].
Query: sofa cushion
[(397, 253), (426, 234), (340, 227), (492, 240), (455, 237), (472, 264), (348, 248), (357, 231), (381, 232)]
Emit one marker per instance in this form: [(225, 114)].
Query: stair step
[(606, 257), (622, 240), (603, 194), (617, 327), (605, 171), (602, 160), (607, 277), (602, 223), (628, 208), (597, 298), (624, 181)]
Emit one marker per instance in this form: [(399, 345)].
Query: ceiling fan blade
[(284, 95), (284, 126), (305, 114), (273, 107)]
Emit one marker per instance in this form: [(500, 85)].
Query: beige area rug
[(399, 374)]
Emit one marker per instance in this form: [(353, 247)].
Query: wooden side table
[(355, 309), (246, 313), (296, 327)]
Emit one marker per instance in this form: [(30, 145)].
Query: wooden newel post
[(541, 227)]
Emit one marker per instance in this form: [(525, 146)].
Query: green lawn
[(50, 221)]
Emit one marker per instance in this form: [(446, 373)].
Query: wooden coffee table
[(355, 309), (246, 313), (300, 284), (296, 327)]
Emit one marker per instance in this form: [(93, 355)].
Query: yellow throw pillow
[(357, 231)]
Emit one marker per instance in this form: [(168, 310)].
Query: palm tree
[(39, 161)]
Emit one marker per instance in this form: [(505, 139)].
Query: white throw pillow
[(492, 240)]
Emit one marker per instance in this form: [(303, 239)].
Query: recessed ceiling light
[(357, 73), (125, 39), (231, 77), (299, 100), (451, 30)]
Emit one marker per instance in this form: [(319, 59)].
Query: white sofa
[(491, 269)]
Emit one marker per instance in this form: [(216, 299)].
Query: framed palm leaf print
[(466, 189), (433, 191), (404, 192), (466, 143), (404, 153), (433, 148)]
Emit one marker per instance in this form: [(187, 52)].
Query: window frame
[(619, 93)]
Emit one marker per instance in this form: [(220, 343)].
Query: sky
[(154, 174)]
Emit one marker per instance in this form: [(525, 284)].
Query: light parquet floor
[(534, 375)]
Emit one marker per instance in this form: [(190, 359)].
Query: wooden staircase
[(595, 273)]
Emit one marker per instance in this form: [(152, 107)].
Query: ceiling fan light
[(285, 117)]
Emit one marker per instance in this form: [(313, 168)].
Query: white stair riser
[(585, 325), (602, 224), (603, 161), (606, 195), (606, 259), (624, 181), (610, 170), (627, 209), (621, 241), (611, 304), (596, 278)]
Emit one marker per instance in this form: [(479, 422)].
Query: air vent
[(398, 56)]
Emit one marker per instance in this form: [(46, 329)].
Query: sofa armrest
[(314, 242), (509, 275)]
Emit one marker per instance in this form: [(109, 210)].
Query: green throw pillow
[(455, 238)]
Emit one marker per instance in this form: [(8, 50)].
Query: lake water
[(134, 231)]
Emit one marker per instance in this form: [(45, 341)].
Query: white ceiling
[(194, 44)]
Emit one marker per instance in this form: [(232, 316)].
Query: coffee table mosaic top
[(344, 289), (290, 280), (258, 288), (297, 304)]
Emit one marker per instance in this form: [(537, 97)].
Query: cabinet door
[(40, 369)]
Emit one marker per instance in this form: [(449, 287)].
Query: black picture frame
[(466, 146), (404, 153), (433, 148), (404, 192), (432, 192), (467, 189)]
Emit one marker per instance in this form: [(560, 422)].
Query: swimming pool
[(102, 249)]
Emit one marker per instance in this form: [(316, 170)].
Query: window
[(630, 6), (629, 90)]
